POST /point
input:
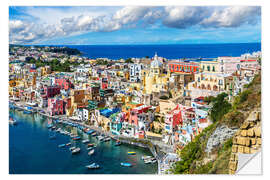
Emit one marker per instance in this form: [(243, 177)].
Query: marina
[(72, 155)]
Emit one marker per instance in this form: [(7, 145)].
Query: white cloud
[(65, 22)]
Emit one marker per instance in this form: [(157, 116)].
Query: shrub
[(164, 97)]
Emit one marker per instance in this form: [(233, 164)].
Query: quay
[(144, 143)]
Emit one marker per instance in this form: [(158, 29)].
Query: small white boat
[(91, 152), (75, 151), (93, 166), (72, 148), (107, 139), (85, 141), (146, 157)]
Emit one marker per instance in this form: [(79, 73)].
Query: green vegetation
[(220, 107), (101, 62), (193, 158), (55, 64), (193, 152), (64, 50), (164, 97), (129, 60)]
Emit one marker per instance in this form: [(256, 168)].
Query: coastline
[(124, 139)]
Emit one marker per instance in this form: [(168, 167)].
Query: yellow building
[(209, 66), (154, 80)]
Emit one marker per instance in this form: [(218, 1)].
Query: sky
[(109, 25)]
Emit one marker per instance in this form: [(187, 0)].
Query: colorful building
[(183, 67)]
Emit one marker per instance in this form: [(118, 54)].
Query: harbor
[(38, 140)]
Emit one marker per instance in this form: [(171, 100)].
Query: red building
[(183, 67), (133, 116), (51, 91), (64, 83), (56, 106)]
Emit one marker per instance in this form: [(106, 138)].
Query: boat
[(90, 148), (49, 126), (131, 153), (76, 138), (93, 166), (12, 121), (126, 164), (118, 143), (146, 157), (90, 145), (76, 150), (85, 141), (147, 161), (91, 152), (27, 112), (68, 144), (61, 145), (107, 139), (90, 131), (94, 134), (100, 138), (72, 148)]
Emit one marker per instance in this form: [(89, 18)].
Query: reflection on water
[(29, 142)]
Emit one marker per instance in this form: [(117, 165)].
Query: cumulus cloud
[(128, 17)]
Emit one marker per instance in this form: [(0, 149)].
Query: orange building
[(183, 67)]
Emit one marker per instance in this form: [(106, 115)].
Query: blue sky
[(134, 25)]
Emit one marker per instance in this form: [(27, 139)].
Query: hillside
[(236, 128)]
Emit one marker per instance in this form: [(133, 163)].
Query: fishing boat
[(93, 166), (68, 144), (107, 139), (61, 145), (27, 112), (126, 164), (153, 160), (90, 145), (57, 130), (131, 153), (85, 141), (91, 152), (72, 148), (75, 151), (94, 134), (76, 138)]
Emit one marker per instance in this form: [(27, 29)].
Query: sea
[(174, 51), (31, 151)]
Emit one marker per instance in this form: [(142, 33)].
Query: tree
[(128, 60), (220, 107)]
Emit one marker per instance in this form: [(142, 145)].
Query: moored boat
[(118, 143), (75, 151), (85, 141), (61, 145), (76, 138), (93, 166), (91, 152), (131, 153), (72, 148), (126, 164), (68, 144)]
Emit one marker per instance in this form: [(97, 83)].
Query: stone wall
[(247, 139)]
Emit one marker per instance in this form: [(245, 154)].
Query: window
[(213, 69), (208, 68), (203, 67)]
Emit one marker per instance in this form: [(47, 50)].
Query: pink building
[(51, 91), (229, 65), (133, 117), (64, 83), (55, 106), (173, 119)]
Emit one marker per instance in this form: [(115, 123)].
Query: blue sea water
[(167, 51), (32, 152)]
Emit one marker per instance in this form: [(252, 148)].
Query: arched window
[(213, 69)]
